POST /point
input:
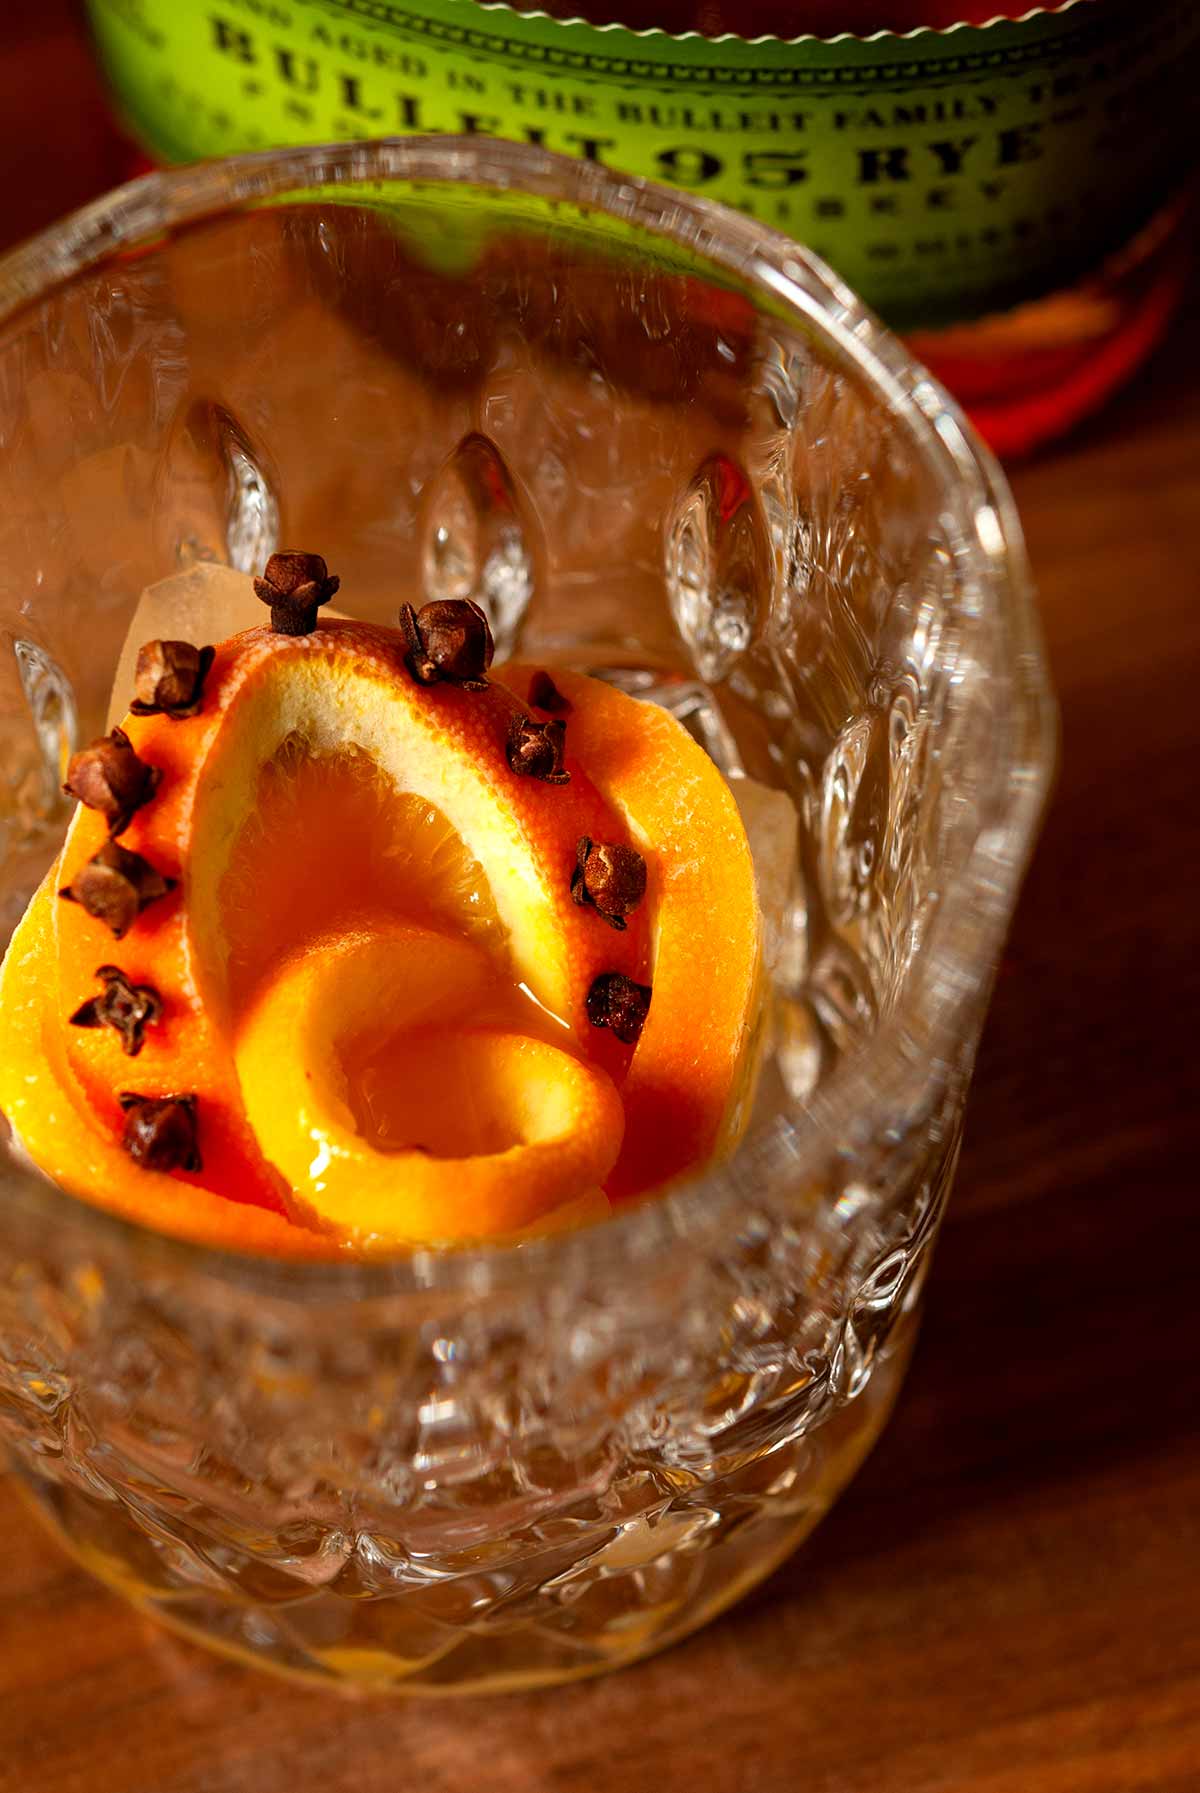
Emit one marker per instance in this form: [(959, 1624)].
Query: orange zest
[(692, 1072)]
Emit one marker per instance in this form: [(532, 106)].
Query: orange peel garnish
[(692, 1071), (529, 1108), (498, 1128)]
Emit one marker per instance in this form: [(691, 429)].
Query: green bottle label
[(945, 174)]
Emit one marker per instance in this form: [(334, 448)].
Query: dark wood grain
[(1008, 1598)]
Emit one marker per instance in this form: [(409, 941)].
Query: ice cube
[(207, 603), (773, 832)]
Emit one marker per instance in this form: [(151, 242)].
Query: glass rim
[(951, 973)]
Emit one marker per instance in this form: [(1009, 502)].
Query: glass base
[(662, 1578)]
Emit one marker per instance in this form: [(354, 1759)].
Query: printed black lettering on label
[(775, 168), (890, 153), (690, 167), (231, 40)]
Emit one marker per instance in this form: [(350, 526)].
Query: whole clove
[(535, 749), (609, 877), (295, 585), (126, 1007), (617, 1002), (544, 694), (115, 886), (160, 1131), (169, 679), (448, 639), (109, 777)]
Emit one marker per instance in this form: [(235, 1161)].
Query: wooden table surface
[(1007, 1600)]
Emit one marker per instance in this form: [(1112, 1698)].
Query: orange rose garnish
[(400, 959)]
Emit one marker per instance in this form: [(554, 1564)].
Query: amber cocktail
[(681, 474)]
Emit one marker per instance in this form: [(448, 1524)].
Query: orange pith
[(348, 845)]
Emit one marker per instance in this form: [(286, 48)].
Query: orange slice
[(373, 968), (340, 700), (334, 827), (493, 1128)]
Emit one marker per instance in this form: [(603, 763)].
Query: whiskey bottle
[(1008, 186)]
